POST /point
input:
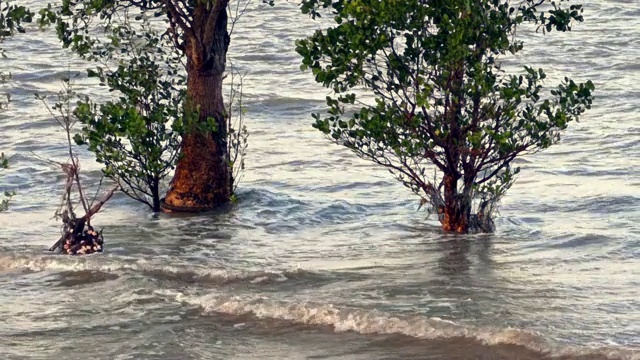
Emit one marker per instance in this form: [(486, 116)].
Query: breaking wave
[(377, 322), (194, 274), (340, 319)]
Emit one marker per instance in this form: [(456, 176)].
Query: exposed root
[(78, 236)]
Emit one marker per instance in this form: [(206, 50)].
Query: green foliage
[(137, 136), (11, 19), (74, 21), (183, 20), (142, 145), (441, 98)]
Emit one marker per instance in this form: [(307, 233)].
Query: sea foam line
[(357, 320), (378, 322), (208, 274)]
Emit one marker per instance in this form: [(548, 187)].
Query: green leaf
[(438, 99)]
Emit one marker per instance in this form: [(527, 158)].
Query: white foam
[(357, 320), (68, 263), (340, 319), (114, 265), (372, 321), (45, 263)]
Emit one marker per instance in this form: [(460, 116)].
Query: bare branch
[(180, 19)]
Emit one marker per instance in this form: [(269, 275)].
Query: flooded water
[(325, 255)]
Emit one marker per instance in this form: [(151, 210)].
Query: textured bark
[(456, 206), (457, 209), (202, 179)]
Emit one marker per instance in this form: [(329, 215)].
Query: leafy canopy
[(141, 48), (185, 21), (441, 97), (137, 136)]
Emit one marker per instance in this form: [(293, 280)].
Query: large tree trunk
[(456, 208), (202, 179)]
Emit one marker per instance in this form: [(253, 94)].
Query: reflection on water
[(455, 256)]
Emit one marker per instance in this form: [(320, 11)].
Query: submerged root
[(84, 242), (480, 221), (481, 224), (78, 236)]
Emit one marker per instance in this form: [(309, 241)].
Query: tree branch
[(212, 22), (180, 18)]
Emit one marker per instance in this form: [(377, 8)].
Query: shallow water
[(325, 256)]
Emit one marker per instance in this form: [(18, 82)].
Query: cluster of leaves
[(137, 136), (442, 99), (11, 19)]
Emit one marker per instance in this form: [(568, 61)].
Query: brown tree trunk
[(456, 208), (202, 179)]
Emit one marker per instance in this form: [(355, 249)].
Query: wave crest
[(359, 320), (378, 322), (187, 273)]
